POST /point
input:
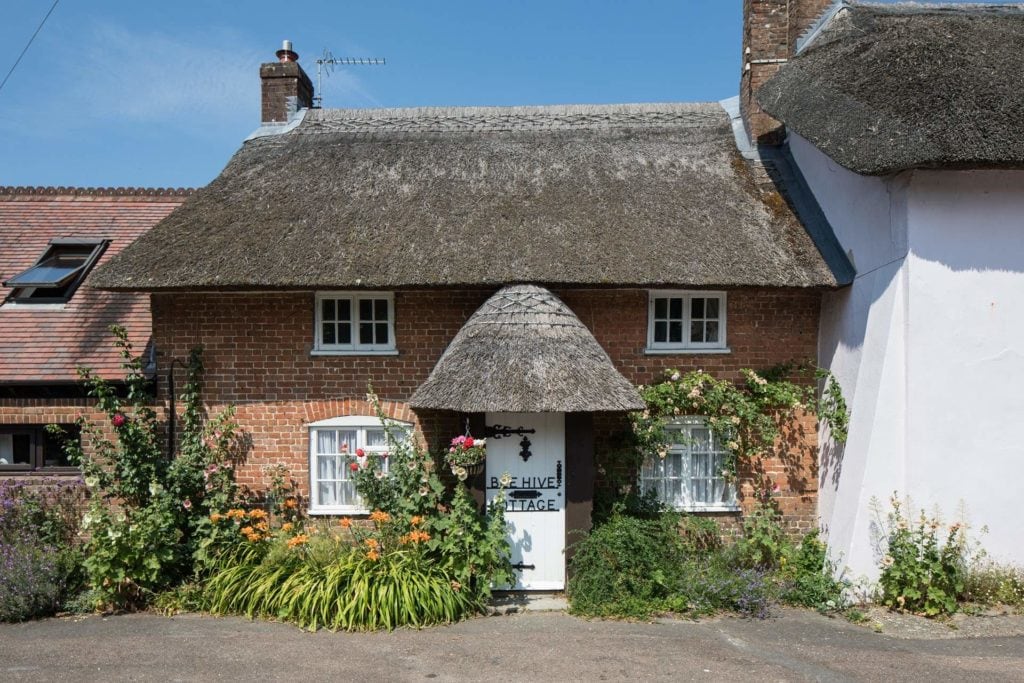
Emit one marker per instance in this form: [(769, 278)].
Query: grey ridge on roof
[(583, 195), (885, 88)]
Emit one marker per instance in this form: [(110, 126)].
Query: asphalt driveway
[(538, 646)]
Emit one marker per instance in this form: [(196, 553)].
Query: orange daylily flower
[(379, 516), (373, 555), (416, 520), (216, 517), (345, 522), (287, 526), (372, 543), (296, 541), (257, 514), (290, 503)]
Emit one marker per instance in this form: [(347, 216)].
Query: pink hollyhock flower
[(187, 504), (118, 419), (776, 488)]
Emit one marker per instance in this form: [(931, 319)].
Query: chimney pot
[(286, 54)]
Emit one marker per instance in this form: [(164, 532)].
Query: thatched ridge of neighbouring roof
[(884, 88), (641, 195), (525, 351)]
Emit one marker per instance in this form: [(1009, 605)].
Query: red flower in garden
[(354, 467), (360, 453), (118, 419), (384, 455), (468, 443)]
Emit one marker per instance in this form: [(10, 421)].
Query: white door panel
[(535, 500)]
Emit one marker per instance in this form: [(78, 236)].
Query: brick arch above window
[(324, 410)]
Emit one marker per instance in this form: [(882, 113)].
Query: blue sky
[(162, 93)]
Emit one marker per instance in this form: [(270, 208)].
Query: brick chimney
[(286, 87), (770, 32)]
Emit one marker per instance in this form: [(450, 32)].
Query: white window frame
[(682, 449), (360, 424), (686, 346), (354, 348)]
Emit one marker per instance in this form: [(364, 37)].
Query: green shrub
[(39, 556), (627, 567), (810, 577), (991, 583), (920, 572), (764, 543)]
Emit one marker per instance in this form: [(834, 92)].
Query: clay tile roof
[(45, 344), (525, 351), (651, 194), (883, 88)]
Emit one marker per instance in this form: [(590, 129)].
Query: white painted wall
[(928, 344)]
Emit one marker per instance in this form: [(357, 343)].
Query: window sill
[(327, 512), (326, 352), (710, 508), (685, 352)]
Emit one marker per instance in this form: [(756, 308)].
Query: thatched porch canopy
[(525, 351)]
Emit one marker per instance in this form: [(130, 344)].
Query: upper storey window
[(686, 321), (355, 323)]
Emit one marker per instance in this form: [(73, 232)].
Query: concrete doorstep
[(515, 602)]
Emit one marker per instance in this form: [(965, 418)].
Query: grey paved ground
[(533, 646)]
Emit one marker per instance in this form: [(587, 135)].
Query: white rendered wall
[(861, 341), (965, 350), (928, 345)]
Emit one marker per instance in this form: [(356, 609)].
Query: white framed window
[(688, 322), (333, 447), (361, 323), (690, 477)]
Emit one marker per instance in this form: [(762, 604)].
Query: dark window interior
[(32, 447)]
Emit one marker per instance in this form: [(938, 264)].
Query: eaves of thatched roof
[(565, 195), (525, 351), (885, 88)]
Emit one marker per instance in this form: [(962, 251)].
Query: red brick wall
[(257, 353)]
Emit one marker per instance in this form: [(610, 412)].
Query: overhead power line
[(28, 44)]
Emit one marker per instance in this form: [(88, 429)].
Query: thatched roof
[(525, 351), (885, 88), (618, 195)]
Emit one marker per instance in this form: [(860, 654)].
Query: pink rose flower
[(118, 419)]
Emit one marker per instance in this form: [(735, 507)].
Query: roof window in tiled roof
[(58, 272)]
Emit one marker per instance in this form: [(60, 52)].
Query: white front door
[(530, 447)]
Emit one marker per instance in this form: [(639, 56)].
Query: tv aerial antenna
[(327, 61)]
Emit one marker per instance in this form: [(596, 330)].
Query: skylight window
[(57, 273)]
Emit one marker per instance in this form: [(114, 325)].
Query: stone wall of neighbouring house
[(258, 357)]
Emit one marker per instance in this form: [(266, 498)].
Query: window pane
[(365, 333), (661, 308), (697, 307), (366, 309), (661, 331), (53, 450), (327, 306), (380, 309), (328, 491), (344, 333), (22, 449), (347, 441), (675, 331), (344, 309), (381, 333), (375, 438), (327, 467), (328, 333), (676, 308), (712, 308), (696, 331), (711, 331), (326, 441)]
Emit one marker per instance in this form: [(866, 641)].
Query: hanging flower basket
[(466, 456)]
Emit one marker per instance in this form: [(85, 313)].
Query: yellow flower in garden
[(236, 513), (373, 555), (247, 530), (287, 526), (216, 517), (257, 514), (296, 541), (262, 526), (345, 522), (416, 520), (379, 516)]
